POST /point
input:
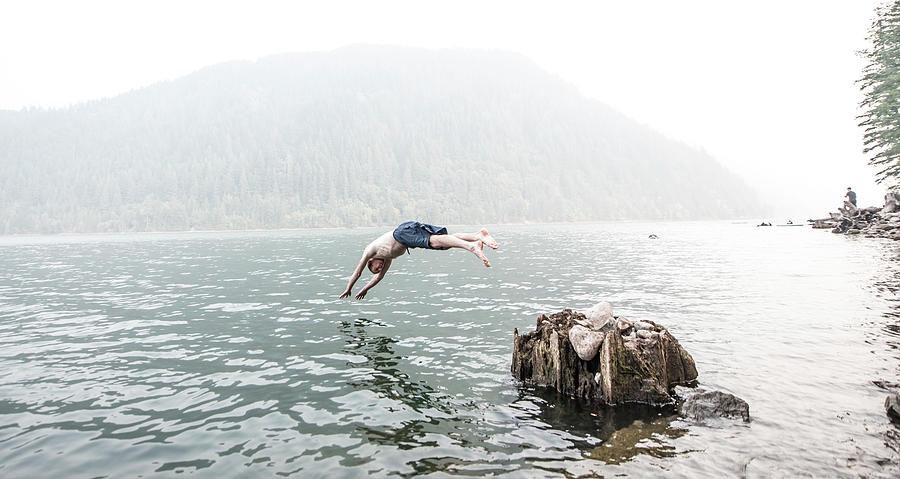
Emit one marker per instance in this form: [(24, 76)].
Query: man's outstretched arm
[(374, 281), (362, 264)]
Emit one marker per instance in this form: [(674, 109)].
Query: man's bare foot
[(479, 251), (488, 239)]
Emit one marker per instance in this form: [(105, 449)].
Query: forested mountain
[(358, 136)]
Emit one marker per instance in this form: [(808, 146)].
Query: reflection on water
[(611, 434), (379, 374), (887, 287), (230, 355), (642, 437)]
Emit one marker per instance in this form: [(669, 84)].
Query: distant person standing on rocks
[(851, 196), (379, 253)]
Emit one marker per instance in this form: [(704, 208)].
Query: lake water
[(229, 354)]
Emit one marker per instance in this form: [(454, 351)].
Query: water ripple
[(229, 354)]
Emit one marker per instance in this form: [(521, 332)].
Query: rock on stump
[(602, 358)]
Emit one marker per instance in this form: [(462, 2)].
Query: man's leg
[(482, 235), (453, 241)]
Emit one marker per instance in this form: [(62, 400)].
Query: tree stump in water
[(602, 358)]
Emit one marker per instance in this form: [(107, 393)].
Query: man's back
[(385, 246)]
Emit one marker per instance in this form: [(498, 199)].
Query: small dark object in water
[(652, 236), (789, 223), (764, 224), (705, 405), (892, 407)]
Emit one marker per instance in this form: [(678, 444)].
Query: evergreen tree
[(881, 86)]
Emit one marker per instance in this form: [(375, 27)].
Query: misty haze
[(360, 136), (415, 239)]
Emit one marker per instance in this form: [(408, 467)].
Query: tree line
[(880, 84), (356, 137)]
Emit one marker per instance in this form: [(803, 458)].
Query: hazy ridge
[(355, 137)]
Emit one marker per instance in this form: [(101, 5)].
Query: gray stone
[(644, 334), (599, 315), (624, 326), (585, 341), (642, 325), (704, 405)]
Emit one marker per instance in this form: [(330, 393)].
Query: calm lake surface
[(230, 355)]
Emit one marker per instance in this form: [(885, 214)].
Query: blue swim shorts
[(413, 234)]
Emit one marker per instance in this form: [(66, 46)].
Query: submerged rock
[(703, 405), (603, 359)]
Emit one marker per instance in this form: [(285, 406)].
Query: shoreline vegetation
[(352, 137), (747, 220), (872, 221)]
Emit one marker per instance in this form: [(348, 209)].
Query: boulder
[(892, 407), (703, 405), (614, 363), (585, 341)]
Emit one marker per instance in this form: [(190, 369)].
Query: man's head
[(375, 265), (848, 188)]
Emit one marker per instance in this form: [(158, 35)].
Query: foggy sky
[(767, 88)]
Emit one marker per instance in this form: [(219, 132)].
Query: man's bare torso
[(386, 247)]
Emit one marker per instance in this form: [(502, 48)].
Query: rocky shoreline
[(873, 221)]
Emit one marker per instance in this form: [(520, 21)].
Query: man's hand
[(361, 294), (345, 294)]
